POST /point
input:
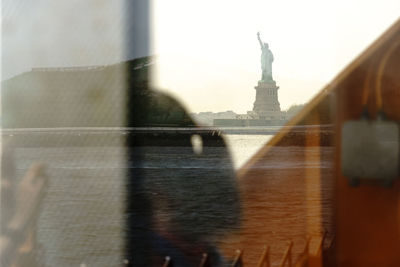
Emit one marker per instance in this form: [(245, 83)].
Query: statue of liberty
[(266, 61)]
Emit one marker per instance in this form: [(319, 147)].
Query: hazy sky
[(210, 56), (208, 53), (57, 33)]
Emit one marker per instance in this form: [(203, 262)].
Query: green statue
[(266, 61)]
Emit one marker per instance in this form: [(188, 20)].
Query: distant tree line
[(294, 109)]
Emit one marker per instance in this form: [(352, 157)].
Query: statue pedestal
[(267, 104)]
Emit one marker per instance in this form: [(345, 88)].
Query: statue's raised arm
[(259, 40)]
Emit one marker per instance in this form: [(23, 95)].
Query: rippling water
[(82, 217), (242, 147)]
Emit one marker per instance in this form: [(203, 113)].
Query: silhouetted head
[(266, 45)]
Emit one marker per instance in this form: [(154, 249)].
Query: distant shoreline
[(266, 130)]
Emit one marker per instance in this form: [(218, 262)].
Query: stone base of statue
[(267, 104)]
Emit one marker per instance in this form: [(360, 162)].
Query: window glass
[(141, 132)]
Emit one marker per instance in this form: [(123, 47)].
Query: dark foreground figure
[(182, 194)]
